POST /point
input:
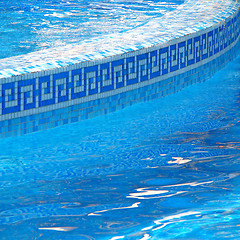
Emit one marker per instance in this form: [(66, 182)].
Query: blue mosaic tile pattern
[(87, 110), (45, 99)]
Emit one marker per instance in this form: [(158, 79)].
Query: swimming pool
[(161, 169)]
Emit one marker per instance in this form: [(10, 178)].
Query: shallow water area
[(165, 169), (28, 26)]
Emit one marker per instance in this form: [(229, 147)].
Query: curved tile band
[(50, 88)]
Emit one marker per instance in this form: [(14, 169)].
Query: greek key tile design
[(69, 85)]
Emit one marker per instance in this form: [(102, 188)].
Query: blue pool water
[(165, 169), (27, 26)]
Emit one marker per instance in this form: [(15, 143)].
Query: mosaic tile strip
[(65, 85), (83, 111)]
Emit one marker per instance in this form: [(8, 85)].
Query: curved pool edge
[(44, 99)]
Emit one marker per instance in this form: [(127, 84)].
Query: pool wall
[(41, 100)]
